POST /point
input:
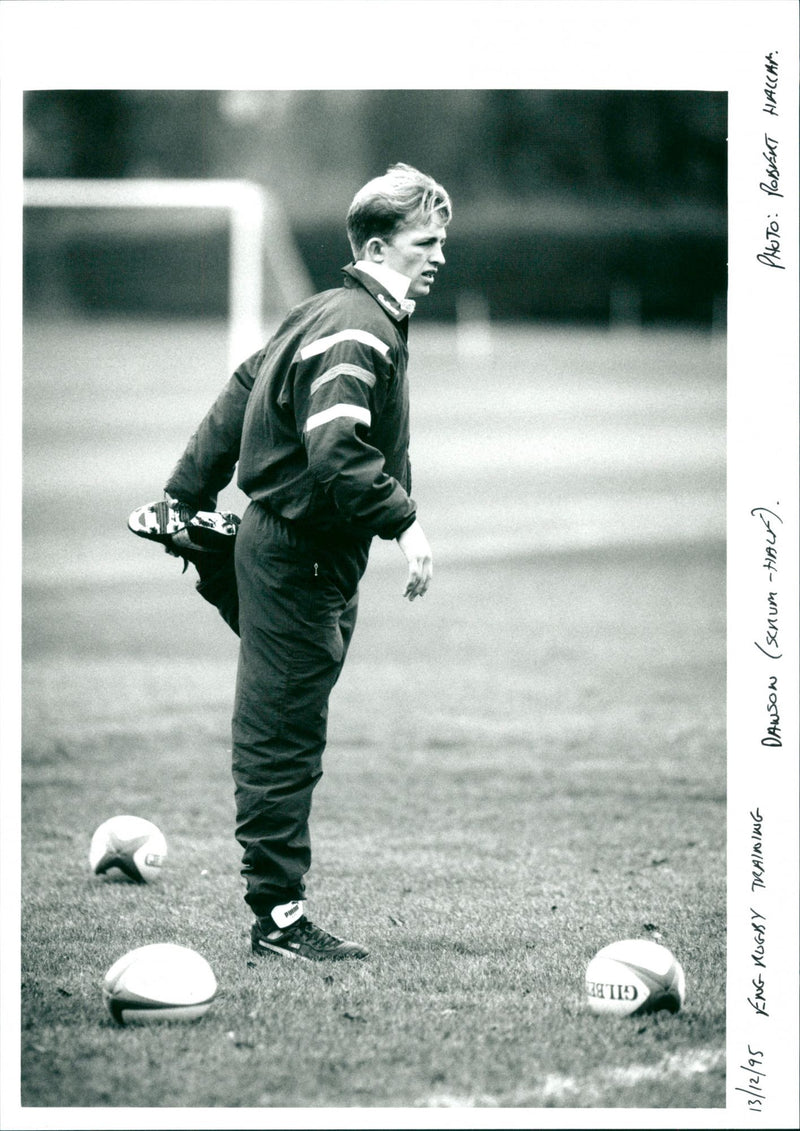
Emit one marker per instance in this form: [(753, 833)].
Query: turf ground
[(522, 767)]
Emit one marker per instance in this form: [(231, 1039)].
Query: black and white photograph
[(400, 671)]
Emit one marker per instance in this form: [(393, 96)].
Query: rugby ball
[(130, 845), (159, 982), (633, 977)]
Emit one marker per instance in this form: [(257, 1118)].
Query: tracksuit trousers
[(297, 605)]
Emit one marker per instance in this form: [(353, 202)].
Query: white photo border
[(534, 44)]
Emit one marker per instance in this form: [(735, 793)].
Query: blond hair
[(403, 196)]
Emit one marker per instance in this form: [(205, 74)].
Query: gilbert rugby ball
[(159, 982), (635, 976), (132, 845)]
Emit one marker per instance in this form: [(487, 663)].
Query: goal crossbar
[(258, 228)]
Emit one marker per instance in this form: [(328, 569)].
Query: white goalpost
[(258, 227)]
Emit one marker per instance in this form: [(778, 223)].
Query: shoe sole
[(160, 521), (157, 521)]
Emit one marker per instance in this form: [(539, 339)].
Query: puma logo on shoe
[(287, 913)]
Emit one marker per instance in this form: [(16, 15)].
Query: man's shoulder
[(346, 308)]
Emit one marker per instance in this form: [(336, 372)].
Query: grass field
[(521, 768)]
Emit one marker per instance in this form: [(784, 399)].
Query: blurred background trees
[(569, 205)]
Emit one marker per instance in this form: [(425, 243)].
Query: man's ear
[(374, 249)]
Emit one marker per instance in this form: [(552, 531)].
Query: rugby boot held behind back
[(163, 520)]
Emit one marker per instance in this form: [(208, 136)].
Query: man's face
[(417, 252)]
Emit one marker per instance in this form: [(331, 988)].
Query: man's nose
[(437, 257)]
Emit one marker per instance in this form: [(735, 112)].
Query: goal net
[(260, 242)]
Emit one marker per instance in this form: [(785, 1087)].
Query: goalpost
[(259, 231)]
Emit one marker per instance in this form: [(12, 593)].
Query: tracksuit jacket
[(318, 420)]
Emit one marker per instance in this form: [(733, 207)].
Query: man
[(318, 423)]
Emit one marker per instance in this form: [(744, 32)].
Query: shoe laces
[(313, 934), (169, 549)]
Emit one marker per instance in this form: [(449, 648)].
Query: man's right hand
[(419, 556)]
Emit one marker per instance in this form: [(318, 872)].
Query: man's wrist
[(409, 522)]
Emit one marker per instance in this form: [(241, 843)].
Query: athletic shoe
[(302, 940), (203, 530)]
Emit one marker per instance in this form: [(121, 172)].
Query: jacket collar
[(396, 283), (397, 309)]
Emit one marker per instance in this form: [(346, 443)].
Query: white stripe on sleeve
[(363, 336), (352, 410), (344, 369)]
